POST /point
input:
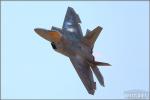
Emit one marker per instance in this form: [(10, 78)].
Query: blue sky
[(31, 69)]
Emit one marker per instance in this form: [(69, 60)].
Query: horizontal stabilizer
[(101, 63), (98, 75)]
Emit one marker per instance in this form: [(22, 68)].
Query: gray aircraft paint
[(70, 42)]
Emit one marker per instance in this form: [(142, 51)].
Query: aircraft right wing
[(71, 25), (85, 74)]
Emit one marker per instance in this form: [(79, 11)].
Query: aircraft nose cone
[(38, 30), (42, 33), (52, 36)]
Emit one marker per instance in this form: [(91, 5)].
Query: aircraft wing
[(85, 74), (71, 27)]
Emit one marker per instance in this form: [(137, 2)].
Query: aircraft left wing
[(85, 74), (71, 26)]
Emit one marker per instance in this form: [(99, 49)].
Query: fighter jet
[(70, 42)]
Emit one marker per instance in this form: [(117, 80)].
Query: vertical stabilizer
[(91, 36)]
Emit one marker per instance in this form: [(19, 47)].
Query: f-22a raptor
[(70, 42)]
